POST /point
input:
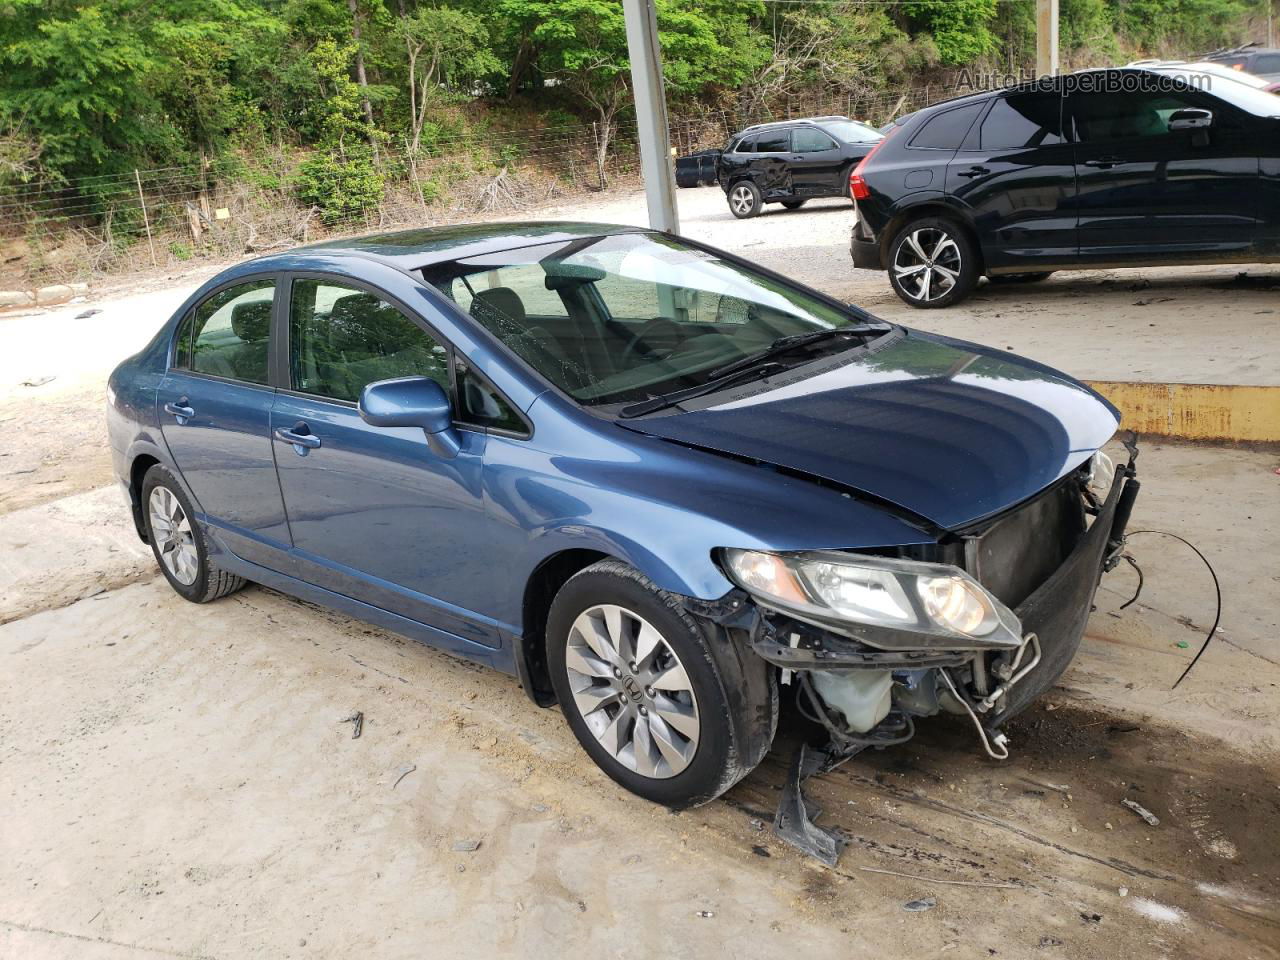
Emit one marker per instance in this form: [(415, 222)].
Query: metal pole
[(146, 222), (651, 113), (1047, 38)]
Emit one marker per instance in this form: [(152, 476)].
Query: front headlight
[(884, 602)]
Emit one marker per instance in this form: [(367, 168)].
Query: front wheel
[(745, 199), (932, 263), (662, 711)]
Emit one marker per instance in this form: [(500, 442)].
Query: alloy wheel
[(632, 691), (927, 264), (742, 200), (175, 541)]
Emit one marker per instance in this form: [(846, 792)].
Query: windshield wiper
[(786, 344), (665, 400)]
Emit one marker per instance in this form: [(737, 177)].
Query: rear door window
[(342, 338), (228, 334), (1022, 120), (776, 141), (947, 130), (1267, 63)]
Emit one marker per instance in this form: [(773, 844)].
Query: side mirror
[(413, 402), (1191, 118)]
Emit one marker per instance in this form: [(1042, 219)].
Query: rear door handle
[(1104, 163), (301, 442), (180, 410), (973, 172)]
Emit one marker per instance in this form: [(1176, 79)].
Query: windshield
[(851, 131), (630, 317)]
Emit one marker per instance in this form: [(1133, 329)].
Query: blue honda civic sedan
[(657, 483)]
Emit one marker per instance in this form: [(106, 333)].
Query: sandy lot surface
[(175, 780)]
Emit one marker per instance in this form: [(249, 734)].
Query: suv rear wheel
[(665, 713), (932, 263), (794, 204), (745, 199)]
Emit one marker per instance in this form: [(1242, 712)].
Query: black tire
[(950, 256), (745, 199), (210, 581), (845, 174), (736, 694), (794, 204), (1020, 277)]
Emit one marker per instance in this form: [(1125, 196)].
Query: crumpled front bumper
[(1056, 612)]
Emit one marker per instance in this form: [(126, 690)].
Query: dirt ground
[(176, 780)]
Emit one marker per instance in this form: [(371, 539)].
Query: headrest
[(251, 321), (501, 304), (354, 306)]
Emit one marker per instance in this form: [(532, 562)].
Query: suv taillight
[(857, 185)]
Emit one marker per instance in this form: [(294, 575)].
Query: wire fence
[(159, 219)]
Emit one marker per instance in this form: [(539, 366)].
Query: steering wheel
[(657, 339)]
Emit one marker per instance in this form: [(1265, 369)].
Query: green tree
[(342, 177), (961, 29)]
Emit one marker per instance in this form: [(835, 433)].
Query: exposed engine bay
[(976, 626)]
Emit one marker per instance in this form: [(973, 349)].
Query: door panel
[(373, 513), (1017, 177), (218, 430), (816, 163), (1146, 191)]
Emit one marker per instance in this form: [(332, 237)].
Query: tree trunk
[(361, 79), (603, 133)]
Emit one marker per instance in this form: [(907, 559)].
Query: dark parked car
[(1107, 168), (697, 169), (648, 478), (1251, 58), (792, 161)]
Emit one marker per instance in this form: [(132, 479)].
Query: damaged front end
[(976, 625)]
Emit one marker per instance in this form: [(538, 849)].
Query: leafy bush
[(341, 186)]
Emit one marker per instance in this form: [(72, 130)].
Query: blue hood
[(950, 431)]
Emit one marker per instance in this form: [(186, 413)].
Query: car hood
[(949, 431)]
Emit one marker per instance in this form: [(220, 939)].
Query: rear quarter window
[(947, 130)]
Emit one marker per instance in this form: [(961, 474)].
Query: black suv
[(1251, 58), (792, 161), (1103, 168)]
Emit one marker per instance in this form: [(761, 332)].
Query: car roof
[(814, 121), (409, 250)]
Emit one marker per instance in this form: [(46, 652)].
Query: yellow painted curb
[(1196, 411)]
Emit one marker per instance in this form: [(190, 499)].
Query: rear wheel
[(745, 199), (178, 541), (794, 204), (932, 263), (665, 713)]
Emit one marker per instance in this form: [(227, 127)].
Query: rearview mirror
[(1191, 118), (412, 402)]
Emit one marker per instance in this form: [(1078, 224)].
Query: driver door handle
[(180, 410), (293, 438), (974, 171)]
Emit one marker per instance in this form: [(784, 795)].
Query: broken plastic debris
[(1141, 811), (704, 914), (917, 906), (37, 381), (466, 846)]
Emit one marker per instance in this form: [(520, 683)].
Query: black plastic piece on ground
[(793, 822)]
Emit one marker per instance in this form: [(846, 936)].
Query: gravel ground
[(175, 780)]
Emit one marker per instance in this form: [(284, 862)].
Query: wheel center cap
[(631, 688)]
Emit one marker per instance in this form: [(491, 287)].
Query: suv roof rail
[(778, 123), (1241, 48)]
